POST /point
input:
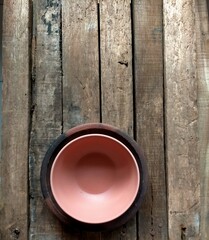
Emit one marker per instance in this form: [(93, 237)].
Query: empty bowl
[(94, 177)]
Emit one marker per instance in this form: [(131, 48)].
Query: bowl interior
[(94, 178)]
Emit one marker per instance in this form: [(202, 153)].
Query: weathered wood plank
[(80, 63), (81, 101), (46, 111), (116, 64), (116, 79), (14, 162), (1, 21), (181, 120), (148, 56), (202, 30)]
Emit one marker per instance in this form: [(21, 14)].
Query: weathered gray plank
[(46, 110), (116, 64), (1, 32), (181, 120), (1, 21), (0, 116), (81, 101), (202, 31), (148, 56), (116, 79), (80, 63), (14, 162)]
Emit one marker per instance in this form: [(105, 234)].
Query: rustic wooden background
[(141, 65)]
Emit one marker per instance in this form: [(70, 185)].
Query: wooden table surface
[(139, 65)]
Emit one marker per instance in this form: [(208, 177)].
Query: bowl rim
[(132, 158), (68, 136)]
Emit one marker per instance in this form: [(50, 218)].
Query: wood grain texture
[(80, 63), (46, 111), (202, 30), (181, 120), (1, 21), (82, 72), (81, 101), (148, 62), (14, 162), (116, 80), (116, 64)]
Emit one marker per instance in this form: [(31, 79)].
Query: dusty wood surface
[(46, 110), (202, 28), (14, 162), (148, 55), (181, 120), (116, 64), (116, 79), (80, 63), (82, 71), (1, 20), (81, 101)]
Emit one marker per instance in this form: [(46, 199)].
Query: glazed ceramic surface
[(94, 178)]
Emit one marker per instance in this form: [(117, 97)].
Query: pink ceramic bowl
[(94, 176)]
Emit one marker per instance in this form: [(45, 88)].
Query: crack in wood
[(15, 232), (183, 232), (123, 63)]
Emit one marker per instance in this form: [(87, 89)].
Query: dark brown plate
[(60, 142)]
